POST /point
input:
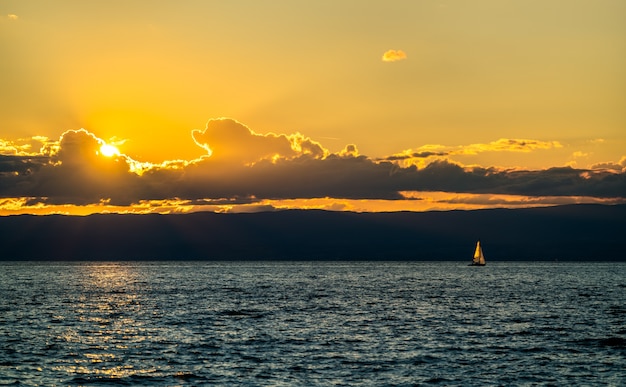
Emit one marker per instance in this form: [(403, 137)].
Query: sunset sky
[(340, 105)]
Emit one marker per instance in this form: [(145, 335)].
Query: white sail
[(479, 258)]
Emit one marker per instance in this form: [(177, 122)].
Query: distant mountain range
[(573, 232)]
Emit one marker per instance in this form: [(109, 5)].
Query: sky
[(234, 106)]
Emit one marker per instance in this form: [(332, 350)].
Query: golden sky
[(347, 105)]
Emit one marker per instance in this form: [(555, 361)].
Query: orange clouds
[(229, 140), (244, 168), (393, 56), (25, 147), (420, 156), (509, 145)]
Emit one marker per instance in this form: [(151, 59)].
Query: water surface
[(312, 323)]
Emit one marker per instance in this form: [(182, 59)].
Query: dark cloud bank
[(575, 232), (247, 165)]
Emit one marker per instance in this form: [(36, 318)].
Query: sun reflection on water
[(109, 308)]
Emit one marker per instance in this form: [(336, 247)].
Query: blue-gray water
[(312, 323)]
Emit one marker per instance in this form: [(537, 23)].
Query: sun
[(109, 150)]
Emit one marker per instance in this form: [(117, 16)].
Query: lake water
[(312, 323)]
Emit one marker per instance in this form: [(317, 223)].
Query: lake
[(312, 323)]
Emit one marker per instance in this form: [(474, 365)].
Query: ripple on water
[(307, 323)]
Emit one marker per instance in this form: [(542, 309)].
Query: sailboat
[(479, 258)]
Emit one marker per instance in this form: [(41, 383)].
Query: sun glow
[(109, 150)]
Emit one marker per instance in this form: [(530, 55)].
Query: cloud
[(12, 16), (394, 55), (231, 141), (417, 156), (19, 165), (25, 146), (69, 172), (349, 151), (616, 167), (78, 147), (508, 145), (245, 167), (408, 155), (511, 201)]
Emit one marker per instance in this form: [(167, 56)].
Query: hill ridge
[(572, 232)]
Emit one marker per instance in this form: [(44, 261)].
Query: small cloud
[(12, 16), (509, 145), (23, 146), (394, 55), (619, 166), (616, 167), (349, 151), (408, 155)]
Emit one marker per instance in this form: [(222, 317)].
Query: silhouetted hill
[(576, 232)]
